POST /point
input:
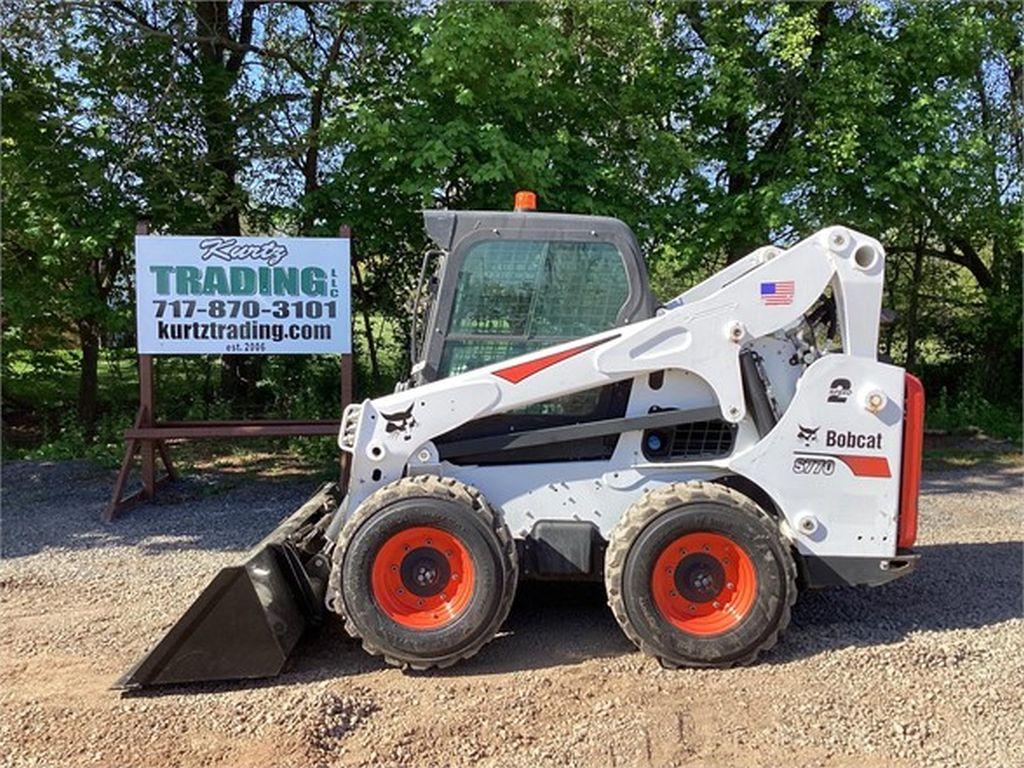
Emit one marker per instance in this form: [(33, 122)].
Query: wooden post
[(146, 400), (347, 367), (146, 420)]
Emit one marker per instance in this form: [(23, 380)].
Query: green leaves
[(709, 128)]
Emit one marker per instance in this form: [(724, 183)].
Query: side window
[(496, 288), (582, 292), (516, 296)]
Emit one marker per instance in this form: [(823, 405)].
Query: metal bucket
[(249, 618)]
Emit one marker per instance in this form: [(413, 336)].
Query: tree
[(71, 185), (708, 127), (924, 153)]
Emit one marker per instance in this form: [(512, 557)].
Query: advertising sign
[(242, 295)]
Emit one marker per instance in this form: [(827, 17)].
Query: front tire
[(698, 575), (426, 570)]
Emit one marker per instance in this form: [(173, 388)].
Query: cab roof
[(446, 228)]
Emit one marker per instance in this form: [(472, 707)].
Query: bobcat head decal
[(400, 423), (807, 434)]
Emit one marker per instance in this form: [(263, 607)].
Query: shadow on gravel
[(989, 477), (956, 586), (563, 624), (551, 625), (58, 505)]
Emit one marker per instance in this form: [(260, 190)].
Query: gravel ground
[(925, 671)]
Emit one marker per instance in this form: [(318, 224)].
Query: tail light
[(910, 474)]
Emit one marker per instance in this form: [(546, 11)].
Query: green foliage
[(710, 128), (104, 446), (974, 413)]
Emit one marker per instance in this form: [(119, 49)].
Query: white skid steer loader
[(703, 457)]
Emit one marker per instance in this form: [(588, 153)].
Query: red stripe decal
[(519, 371), (866, 466)]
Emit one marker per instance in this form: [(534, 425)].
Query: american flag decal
[(777, 294)]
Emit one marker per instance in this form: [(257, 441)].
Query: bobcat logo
[(402, 422), (807, 434)]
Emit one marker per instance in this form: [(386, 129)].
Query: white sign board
[(242, 295)]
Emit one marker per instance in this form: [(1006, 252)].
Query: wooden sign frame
[(148, 436)]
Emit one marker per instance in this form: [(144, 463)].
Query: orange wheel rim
[(704, 583), (422, 577)]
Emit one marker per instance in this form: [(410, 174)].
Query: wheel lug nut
[(419, 603), (730, 585), (444, 596), (401, 591)]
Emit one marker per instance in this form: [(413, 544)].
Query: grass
[(972, 415), (966, 458), (970, 433)]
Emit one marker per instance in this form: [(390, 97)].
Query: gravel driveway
[(925, 671)]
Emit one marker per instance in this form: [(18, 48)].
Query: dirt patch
[(924, 671)]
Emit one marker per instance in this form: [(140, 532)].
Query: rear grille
[(691, 441)]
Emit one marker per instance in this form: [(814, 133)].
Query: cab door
[(512, 283)]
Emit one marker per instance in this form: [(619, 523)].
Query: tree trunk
[(88, 376), (913, 305), (740, 242), (371, 345), (889, 332), (239, 373)]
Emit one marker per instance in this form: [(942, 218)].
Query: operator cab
[(508, 283)]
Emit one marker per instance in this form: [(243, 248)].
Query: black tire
[(645, 532), (456, 509)]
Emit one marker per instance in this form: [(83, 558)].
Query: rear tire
[(698, 575), (426, 571)]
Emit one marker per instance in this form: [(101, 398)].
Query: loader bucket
[(250, 616)]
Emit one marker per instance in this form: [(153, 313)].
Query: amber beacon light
[(526, 200)]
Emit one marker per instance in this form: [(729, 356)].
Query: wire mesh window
[(690, 441), (702, 439), (516, 296)]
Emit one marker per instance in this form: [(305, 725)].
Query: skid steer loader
[(703, 457)]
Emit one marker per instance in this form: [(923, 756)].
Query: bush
[(71, 442), (973, 412)]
